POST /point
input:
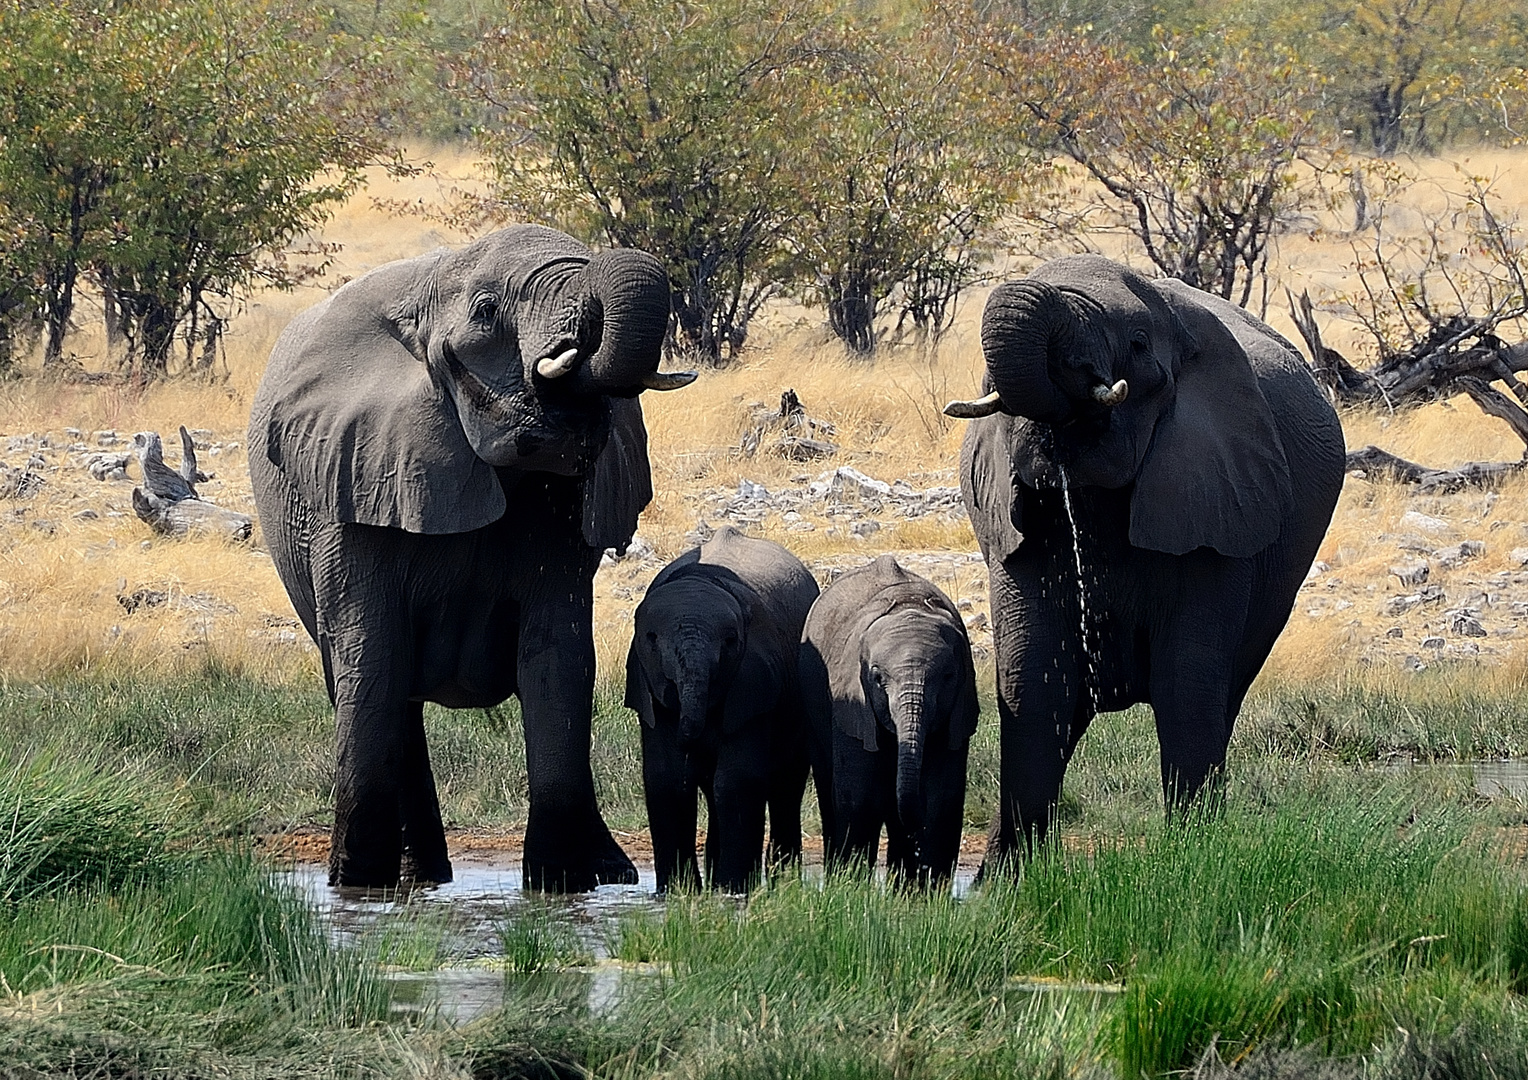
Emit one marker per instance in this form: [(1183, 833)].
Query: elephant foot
[(422, 871), (576, 864)]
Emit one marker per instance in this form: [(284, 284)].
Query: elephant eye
[(1139, 343), (485, 308)]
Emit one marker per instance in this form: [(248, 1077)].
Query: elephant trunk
[(908, 712), (694, 704), (1028, 331), (629, 298)]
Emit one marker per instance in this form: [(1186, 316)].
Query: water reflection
[(464, 922)]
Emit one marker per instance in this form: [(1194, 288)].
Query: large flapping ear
[(355, 423), (638, 697), (755, 689), (988, 485), (1215, 475), (620, 483)]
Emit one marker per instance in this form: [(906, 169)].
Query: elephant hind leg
[(424, 837), (787, 786)]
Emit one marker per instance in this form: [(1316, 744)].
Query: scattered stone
[(1395, 632), (1415, 519), (142, 598), (73, 432), (109, 465), (17, 443), (864, 529), (107, 438), (86, 514), (19, 483), (1316, 570), (1433, 642), (977, 621), (1456, 555), (1399, 605), (1518, 556), (1465, 622), (1414, 663), (1411, 574), (1417, 545), (45, 526)]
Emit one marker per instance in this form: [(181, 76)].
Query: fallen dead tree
[(1458, 355), (168, 501)]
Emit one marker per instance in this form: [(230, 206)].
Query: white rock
[(1415, 519)]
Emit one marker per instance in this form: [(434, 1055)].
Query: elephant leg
[(1042, 704), (1192, 659), (371, 733), (669, 788), (568, 847), (945, 782), (786, 787), (858, 810), (901, 852), (424, 837), (741, 788)]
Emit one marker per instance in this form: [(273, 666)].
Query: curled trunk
[(1027, 332), (629, 293)]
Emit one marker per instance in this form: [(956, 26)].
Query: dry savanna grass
[(68, 579)]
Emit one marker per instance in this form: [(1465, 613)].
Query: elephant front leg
[(371, 732), (568, 847), (1043, 706), (739, 791), (786, 787), (945, 785), (670, 792), (424, 837), (858, 810)]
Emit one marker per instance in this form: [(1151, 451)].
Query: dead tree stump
[(168, 501)]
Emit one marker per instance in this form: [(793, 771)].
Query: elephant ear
[(1215, 475), (620, 483), (755, 689), (987, 484), (967, 710), (638, 697), (355, 423)]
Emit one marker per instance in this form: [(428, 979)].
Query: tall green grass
[(1326, 922)]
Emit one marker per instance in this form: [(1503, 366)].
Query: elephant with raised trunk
[(1149, 475), (440, 452), (712, 674), (890, 698)]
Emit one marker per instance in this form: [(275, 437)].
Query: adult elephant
[(1149, 476), (440, 452)]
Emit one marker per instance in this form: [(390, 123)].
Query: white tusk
[(1111, 395), (974, 410), (668, 380), (555, 367)]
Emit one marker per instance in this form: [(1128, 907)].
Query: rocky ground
[(1402, 582)]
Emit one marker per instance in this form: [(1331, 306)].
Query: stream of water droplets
[(1085, 669)]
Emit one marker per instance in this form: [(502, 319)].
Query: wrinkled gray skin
[(712, 674), (1199, 501), (890, 699), (436, 508)]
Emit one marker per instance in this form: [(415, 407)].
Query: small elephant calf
[(890, 698), (712, 673)]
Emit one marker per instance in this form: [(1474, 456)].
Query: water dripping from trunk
[(1085, 670)]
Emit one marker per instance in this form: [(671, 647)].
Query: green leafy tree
[(175, 149), (662, 125), (1193, 149), (60, 149), (902, 186)]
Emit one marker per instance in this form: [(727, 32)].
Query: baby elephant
[(712, 673), (890, 697)]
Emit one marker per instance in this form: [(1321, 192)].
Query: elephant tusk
[(1111, 395), (985, 405), (555, 367), (668, 380)]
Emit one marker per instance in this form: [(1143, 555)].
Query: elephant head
[(394, 401), (1111, 380), (690, 655), (899, 670)]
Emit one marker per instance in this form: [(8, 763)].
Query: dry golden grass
[(59, 590)]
